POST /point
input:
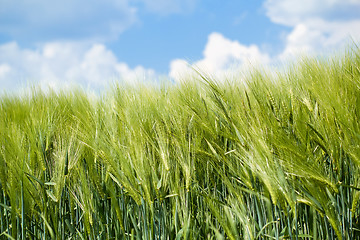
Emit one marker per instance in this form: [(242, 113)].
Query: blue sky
[(91, 43)]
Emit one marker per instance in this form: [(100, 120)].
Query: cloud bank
[(62, 65)]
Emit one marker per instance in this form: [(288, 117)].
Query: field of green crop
[(266, 157)]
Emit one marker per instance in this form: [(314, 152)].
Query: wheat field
[(270, 156)]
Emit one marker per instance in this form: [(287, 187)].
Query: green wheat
[(263, 157)]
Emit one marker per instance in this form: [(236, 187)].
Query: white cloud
[(293, 12), (62, 65), (220, 55), (66, 19), (318, 26), (319, 36)]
